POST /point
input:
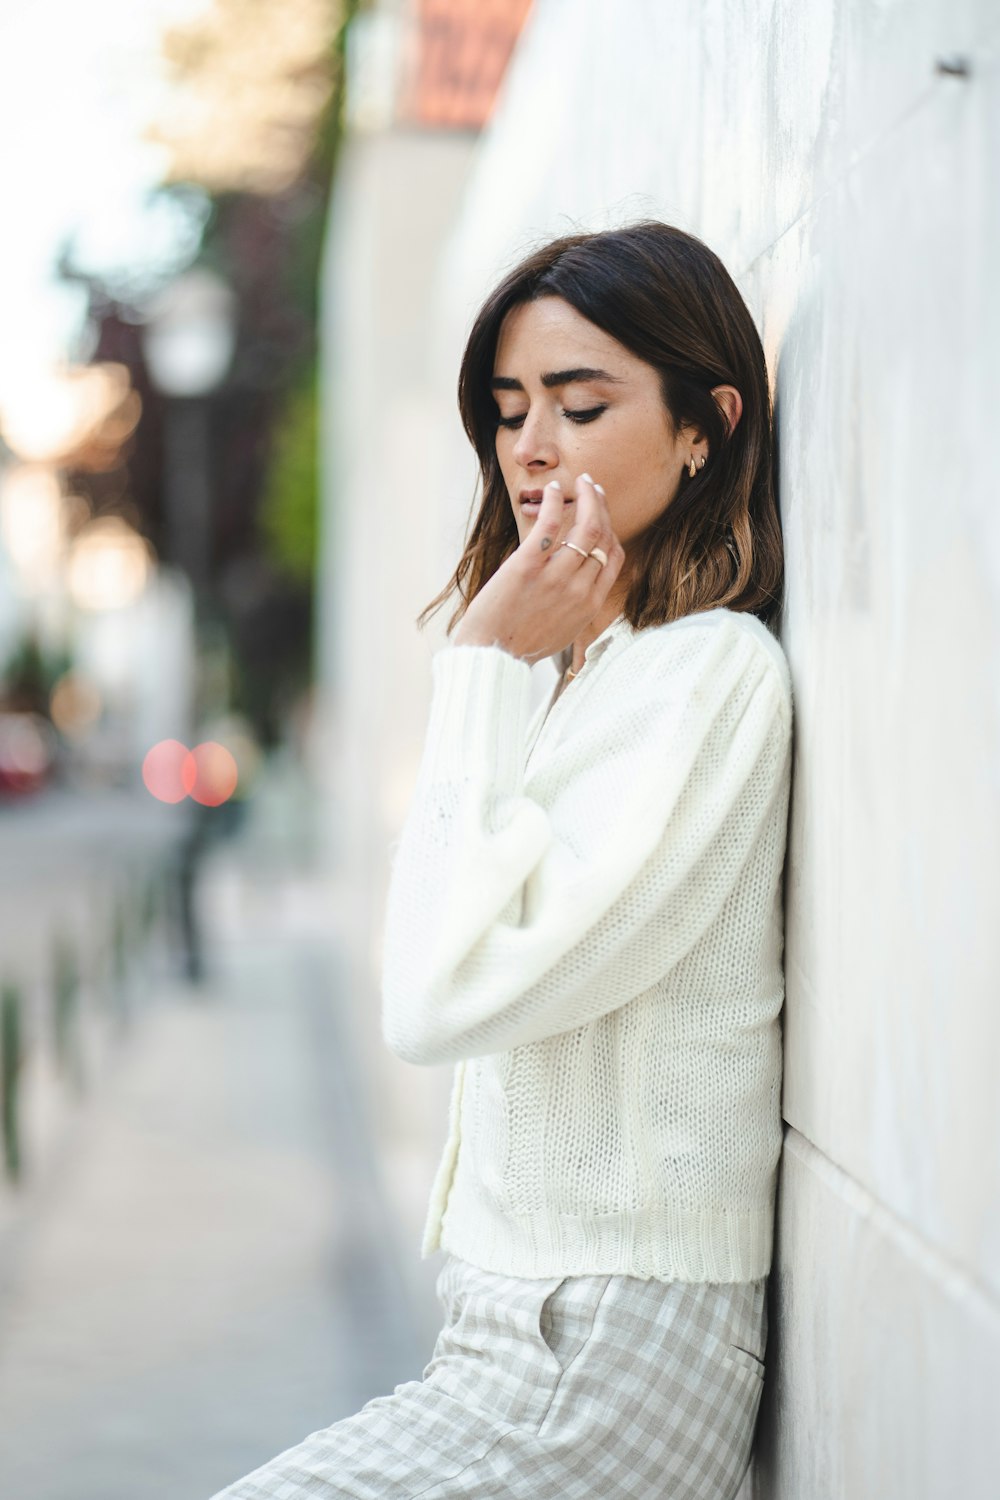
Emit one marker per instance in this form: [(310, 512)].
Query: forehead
[(549, 334)]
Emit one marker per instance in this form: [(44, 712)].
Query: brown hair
[(669, 300)]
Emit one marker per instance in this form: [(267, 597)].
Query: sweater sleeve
[(509, 921)]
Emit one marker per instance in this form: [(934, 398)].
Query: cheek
[(502, 446), (638, 482)]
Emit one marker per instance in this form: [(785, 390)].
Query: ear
[(729, 400)]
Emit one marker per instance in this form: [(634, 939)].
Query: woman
[(585, 909)]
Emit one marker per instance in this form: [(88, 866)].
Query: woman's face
[(572, 401)]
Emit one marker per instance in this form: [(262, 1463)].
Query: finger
[(614, 551), (595, 574), (543, 536), (611, 547), (591, 519)]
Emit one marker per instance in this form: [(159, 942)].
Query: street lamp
[(188, 343)]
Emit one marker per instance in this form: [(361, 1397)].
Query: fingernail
[(587, 478), (553, 484), (600, 489)]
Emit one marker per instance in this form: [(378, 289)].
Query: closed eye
[(589, 415)]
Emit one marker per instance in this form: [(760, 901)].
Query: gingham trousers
[(580, 1387)]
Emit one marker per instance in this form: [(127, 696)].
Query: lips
[(531, 500)]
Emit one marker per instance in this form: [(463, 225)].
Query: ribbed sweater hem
[(718, 1246)]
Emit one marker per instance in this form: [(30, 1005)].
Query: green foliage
[(290, 502), (30, 672)]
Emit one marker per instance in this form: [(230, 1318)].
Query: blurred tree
[(247, 93), (253, 125), (289, 508), (29, 674)]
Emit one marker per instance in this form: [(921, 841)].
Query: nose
[(535, 447)]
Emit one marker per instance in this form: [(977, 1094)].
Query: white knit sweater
[(585, 916)]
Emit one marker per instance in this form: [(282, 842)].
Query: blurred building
[(421, 84), (157, 539), (842, 167)]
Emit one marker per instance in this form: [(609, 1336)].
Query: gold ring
[(575, 548), (602, 557)]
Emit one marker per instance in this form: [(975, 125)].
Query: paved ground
[(210, 1277), (210, 1274)]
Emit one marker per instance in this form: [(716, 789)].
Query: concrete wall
[(850, 186), (382, 561)]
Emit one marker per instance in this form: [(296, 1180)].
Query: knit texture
[(584, 915)]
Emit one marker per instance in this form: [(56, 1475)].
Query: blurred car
[(27, 753)]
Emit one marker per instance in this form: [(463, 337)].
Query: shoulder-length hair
[(668, 298)]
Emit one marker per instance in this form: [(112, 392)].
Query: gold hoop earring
[(692, 467)]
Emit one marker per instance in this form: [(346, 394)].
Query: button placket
[(595, 653)]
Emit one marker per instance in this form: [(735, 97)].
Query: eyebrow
[(555, 378)]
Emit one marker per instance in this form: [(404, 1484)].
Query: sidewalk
[(212, 1277)]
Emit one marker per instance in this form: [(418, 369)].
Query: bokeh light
[(109, 565), (216, 774), (169, 771), (208, 773), (32, 521), (47, 415), (75, 704)]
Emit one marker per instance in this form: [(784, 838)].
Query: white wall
[(382, 562), (851, 189)]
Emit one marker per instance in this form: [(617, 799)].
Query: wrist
[(470, 636), (477, 638)]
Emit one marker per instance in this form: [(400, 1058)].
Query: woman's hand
[(545, 594)]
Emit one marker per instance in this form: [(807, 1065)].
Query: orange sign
[(458, 54)]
